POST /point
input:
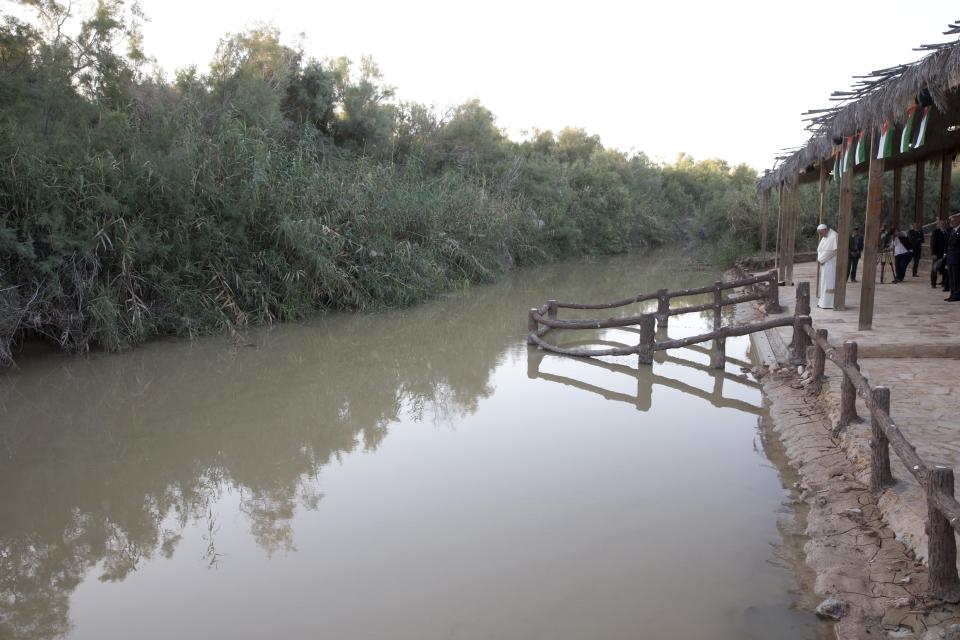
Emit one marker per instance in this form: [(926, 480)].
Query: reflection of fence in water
[(646, 378)]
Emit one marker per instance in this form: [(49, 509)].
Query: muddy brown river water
[(415, 474)]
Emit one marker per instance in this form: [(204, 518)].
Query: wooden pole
[(773, 293), (791, 235), (663, 308), (880, 475), (844, 219), (871, 236), (941, 543), (800, 339), (764, 214), (918, 193), (897, 185), (819, 358), (780, 225), (848, 392), (946, 170), (719, 357), (823, 187), (532, 326), (648, 336)]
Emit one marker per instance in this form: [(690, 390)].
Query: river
[(415, 474)]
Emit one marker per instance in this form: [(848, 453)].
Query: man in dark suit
[(938, 251), (856, 249), (916, 245), (953, 258)]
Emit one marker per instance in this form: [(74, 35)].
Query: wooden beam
[(871, 236), (918, 193), (897, 183), (946, 170), (791, 236), (780, 236), (764, 210), (844, 220), (823, 186)]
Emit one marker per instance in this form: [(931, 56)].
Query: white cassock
[(827, 257)]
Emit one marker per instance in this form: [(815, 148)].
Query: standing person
[(916, 245), (938, 251), (953, 258), (827, 258), (856, 249), (901, 254), (885, 256)]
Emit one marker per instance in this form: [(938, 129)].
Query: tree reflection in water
[(108, 458)]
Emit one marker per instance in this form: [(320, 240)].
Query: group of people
[(945, 251), (898, 250)]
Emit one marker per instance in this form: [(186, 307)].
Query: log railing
[(541, 320), (943, 510), (807, 345)]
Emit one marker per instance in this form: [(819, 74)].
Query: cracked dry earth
[(852, 551)]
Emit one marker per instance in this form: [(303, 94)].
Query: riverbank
[(868, 551)]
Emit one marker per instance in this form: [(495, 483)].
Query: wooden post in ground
[(791, 237), (823, 187), (802, 307), (532, 326), (844, 216), (773, 293), (897, 186), (800, 339), (780, 225), (880, 475), (663, 308), (819, 358), (871, 236), (943, 583), (719, 357), (648, 336), (946, 171), (848, 393), (552, 309), (764, 214)]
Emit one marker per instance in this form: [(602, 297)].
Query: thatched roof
[(878, 97)]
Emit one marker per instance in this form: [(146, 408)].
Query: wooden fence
[(807, 345)]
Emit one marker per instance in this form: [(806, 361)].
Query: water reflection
[(110, 462)]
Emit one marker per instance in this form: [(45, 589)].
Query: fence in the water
[(807, 345)]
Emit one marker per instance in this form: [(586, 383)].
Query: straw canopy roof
[(879, 97)]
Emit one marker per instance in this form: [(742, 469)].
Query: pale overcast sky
[(714, 79)]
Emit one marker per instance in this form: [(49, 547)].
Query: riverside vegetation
[(273, 185)]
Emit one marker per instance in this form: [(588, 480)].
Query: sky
[(712, 79)]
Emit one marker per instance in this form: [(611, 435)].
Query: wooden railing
[(943, 510), (807, 344)]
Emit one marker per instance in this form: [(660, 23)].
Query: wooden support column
[(897, 185), (844, 216), (780, 225), (871, 236), (943, 581), (791, 236), (823, 186), (946, 169), (764, 210), (918, 193)]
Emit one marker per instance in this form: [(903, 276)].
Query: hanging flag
[(922, 133), (907, 134), (847, 153), (885, 148), (861, 148)]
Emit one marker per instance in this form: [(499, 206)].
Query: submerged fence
[(807, 345)]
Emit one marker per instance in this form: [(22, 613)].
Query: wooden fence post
[(719, 356), (533, 327), (802, 307), (800, 339), (552, 309), (663, 308), (648, 336), (848, 393), (773, 293), (819, 358), (880, 475), (944, 583)]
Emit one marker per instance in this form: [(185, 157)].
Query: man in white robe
[(827, 259)]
